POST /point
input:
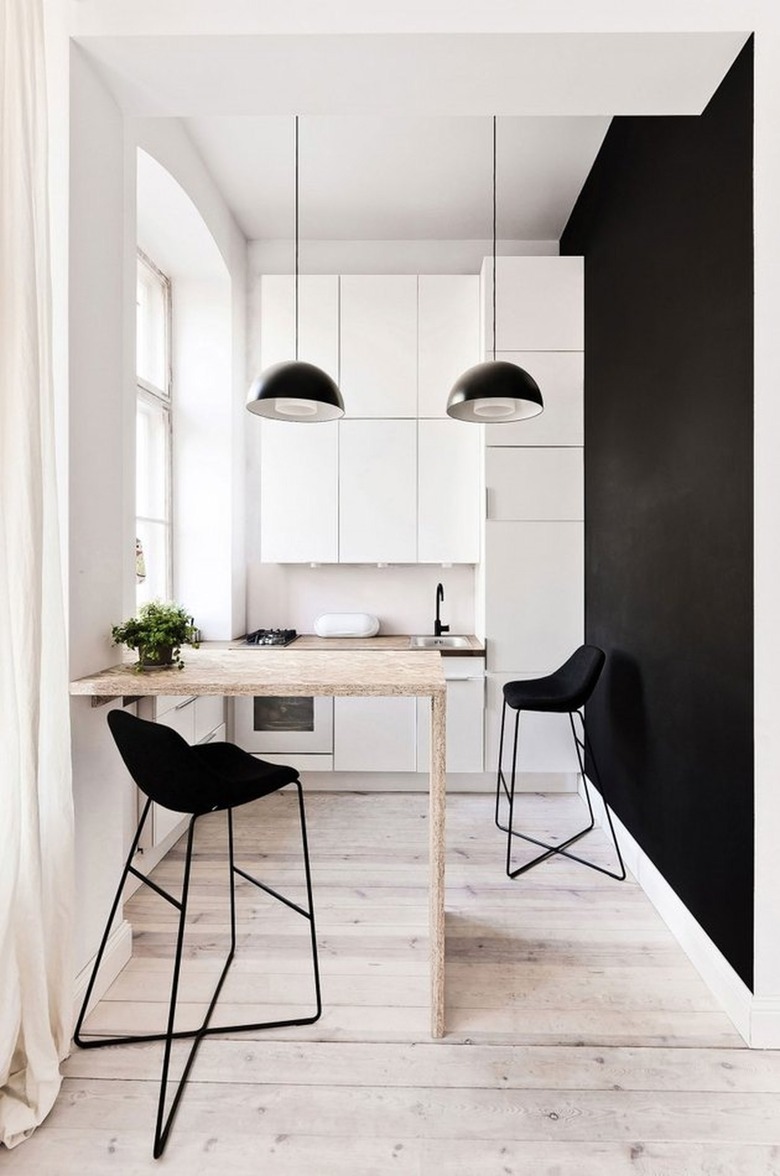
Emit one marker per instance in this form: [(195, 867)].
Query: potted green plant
[(158, 633)]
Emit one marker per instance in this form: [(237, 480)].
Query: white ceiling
[(395, 129), (374, 178)]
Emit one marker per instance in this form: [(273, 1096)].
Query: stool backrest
[(161, 762), (579, 674)]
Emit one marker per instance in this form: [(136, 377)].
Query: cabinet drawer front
[(160, 704), (461, 669), (209, 714), (181, 718)]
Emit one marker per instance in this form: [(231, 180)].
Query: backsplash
[(403, 597)]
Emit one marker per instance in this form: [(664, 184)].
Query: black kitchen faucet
[(438, 627)]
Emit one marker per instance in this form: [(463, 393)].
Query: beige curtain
[(36, 820)]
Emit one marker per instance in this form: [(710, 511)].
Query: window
[(153, 558)]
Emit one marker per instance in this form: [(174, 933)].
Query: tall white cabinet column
[(532, 572)]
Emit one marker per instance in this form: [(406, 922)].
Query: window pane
[(151, 460), (151, 562), (151, 328)]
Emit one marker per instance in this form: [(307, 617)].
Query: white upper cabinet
[(380, 486), (560, 376), (379, 345), (531, 484), (318, 320), (539, 305), (299, 488), (449, 498), (448, 336), (377, 491)]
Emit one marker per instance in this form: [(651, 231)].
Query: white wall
[(101, 396), (210, 374), (766, 1013), (101, 448), (403, 597)]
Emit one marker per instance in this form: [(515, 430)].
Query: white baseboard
[(118, 951), (756, 1020)]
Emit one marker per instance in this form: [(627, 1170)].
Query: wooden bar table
[(235, 671)]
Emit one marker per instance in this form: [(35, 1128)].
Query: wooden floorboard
[(579, 1038)]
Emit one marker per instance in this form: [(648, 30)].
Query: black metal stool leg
[(164, 1122), (585, 745), (500, 781), (307, 913), (563, 847)]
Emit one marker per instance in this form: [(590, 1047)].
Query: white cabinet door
[(378, 491), (560, 376), (375, 735), (534, 594), (448, 336), (465, 722), (449, 491), (299, 492), (539, 484), (379, 345), (539, 303), (318, 320)]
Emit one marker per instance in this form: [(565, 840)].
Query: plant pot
[(157, 658)]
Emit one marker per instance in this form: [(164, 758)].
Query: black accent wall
[(664, 222)]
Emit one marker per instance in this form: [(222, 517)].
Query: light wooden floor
[(580, 1041)]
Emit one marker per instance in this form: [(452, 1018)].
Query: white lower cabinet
[(375, 735), (465, 717), (198, 719)]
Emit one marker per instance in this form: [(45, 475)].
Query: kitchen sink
[(439, 642)]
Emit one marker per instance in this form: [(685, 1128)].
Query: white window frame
[(161, 398)]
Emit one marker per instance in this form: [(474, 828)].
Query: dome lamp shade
[(295, 391)]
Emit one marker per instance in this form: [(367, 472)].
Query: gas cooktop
[(263, 637)]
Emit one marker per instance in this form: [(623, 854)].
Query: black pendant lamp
[(295, 391), (495, 391)]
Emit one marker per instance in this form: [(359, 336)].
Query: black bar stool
[(564, 692), (206, 778)]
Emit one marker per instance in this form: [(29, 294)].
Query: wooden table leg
[(437, 798)]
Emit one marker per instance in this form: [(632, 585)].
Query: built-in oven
[(281, 724)]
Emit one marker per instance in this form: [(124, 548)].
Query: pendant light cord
[(296, 239), (494, 237)]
